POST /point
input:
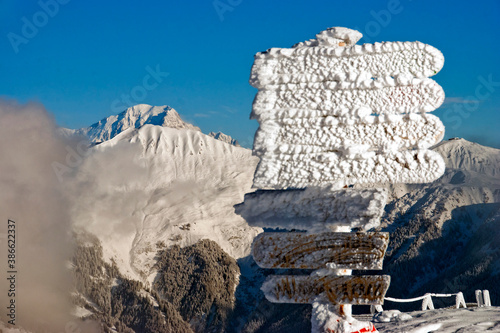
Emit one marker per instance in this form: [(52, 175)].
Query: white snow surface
[(80, 312), (485, 319), (159, 184), (325, 318), (390, 316), (332, 36)]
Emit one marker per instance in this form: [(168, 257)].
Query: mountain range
[(444, 235), (154, 184), (136, 117)]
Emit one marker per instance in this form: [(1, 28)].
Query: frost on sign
[(332, 112), (314, 209), (344, 250), (361, 290)]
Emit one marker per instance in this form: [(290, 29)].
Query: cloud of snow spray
[(108, 188), (32, 196)]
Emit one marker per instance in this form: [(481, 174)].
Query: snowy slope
[(440, 232), (154, 186), (447, 321), (472, 177), (479, 165), (150, 187), (440, 320)]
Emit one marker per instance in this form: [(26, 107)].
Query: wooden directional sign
[(339, 114), (314, 209), (323, 63), (321, 134), (302, 250), (345, 289), (316, 169), (332, 112), (382, 96)]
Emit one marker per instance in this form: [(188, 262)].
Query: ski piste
[(384, 95), (324, 63), (347, 289), (358, 167), (314, 209), (342, 250), (327, 134)]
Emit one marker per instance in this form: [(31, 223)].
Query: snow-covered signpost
[(335, 115)]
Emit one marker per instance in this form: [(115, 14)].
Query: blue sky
[(85, 60)]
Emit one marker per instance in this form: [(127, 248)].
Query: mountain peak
[(135, 117), (470, 156), (224, 138), (166, 116)]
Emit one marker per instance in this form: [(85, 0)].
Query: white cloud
[(202, 115), (459, 100)]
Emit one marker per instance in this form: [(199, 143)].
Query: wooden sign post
[(361, 251), (335, 115), (341, 250), (338, 289)]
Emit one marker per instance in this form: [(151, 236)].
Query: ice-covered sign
[(342, 250), (314, 209), (360, 290), (332, 112)]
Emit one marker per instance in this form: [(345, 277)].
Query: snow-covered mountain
[(135, 117), (150, 187), (159, 185), (224, 138), (442, 232), (478, 164), (471, 177)]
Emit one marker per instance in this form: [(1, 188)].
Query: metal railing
[(482, 298)]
